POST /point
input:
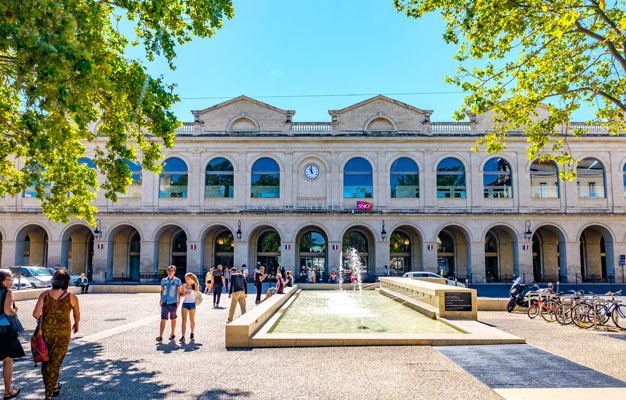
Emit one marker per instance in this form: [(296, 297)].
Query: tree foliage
[(64, 75), (514, 55)]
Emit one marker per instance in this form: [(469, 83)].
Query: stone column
[(429, 251), (8, 253), (525, 261), (146, 258), (334, 254), (194, 257), (100, 264), (241, 255), (619, 248), (476, 263), (288, 256), (572, 261), (54, 253), (381, 251)]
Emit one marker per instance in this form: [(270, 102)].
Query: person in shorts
[(170, 299)]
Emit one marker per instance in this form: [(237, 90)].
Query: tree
[(64, 73), (515, 55)]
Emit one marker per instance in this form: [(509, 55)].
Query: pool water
[(332, 311)]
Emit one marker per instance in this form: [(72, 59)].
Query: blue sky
[(321, 47), (304, 47)]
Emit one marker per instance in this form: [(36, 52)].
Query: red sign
[(364, 205)]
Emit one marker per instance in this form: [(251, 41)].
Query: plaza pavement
[(115, 356)]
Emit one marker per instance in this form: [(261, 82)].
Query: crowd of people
[(217, 281), (54, 327)]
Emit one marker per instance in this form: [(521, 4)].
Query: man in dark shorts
[(170, 299), (259, 276)]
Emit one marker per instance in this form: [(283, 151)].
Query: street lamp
[(528, 234), (383, 233), (239, 229), (97, 233)]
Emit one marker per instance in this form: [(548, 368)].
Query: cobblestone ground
[(117, 357), (130, 365)]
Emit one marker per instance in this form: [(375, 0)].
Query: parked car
[(23, 283), (73, 277), (39, 277), (424, 274)]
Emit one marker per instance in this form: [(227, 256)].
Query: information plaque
[(458, 301)]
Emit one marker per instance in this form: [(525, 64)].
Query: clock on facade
[(311, 171)]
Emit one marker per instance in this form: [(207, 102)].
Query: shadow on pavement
[(84, 375), (220, 394)]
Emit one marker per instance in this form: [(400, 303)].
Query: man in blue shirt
[(170, 298)]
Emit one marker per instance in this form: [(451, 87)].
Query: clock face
[(311, 171)]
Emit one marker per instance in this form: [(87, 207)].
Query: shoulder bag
[(37, 344), (199, 297)]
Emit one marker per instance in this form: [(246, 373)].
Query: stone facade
[(568, 237)]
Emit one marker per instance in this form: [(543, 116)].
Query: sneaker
[(182, 339), (159, 339), (191, 336), (172, 337)]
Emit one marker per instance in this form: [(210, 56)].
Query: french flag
[(193, 246), (287, 247), (100, 246)]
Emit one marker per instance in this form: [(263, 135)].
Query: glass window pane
[(134, 189), (355, 240), (312, 242), (269, 242), (590, 179), (399, 242), (357, 179), (404, 179), (450, 186), (265, 179), (224, 243), (266, 165), (219, 182), (174, 165), (544, 180), (87, 162), (497, 186), (450, 164)]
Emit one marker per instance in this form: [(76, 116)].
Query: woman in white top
[(188, 292)]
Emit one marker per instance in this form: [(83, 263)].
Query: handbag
[(37, 344), (199, 298), (16, 325)]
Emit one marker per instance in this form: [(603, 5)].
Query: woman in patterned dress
[(56, 327)]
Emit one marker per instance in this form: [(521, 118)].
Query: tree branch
[(603, 40)]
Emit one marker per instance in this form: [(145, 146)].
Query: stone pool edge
[(253, 331)]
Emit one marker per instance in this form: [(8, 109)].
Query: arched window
[(404, 179), (134, 189), (624, 171), (219, 179), (312, 242), (450, 178), (224, 249), (86, 161), (590, 179), (174, 179), (265, 179), (31, 191), (400, 253), (357, 179), (445, 253), (497, 180), (491, 258), (544, 180)]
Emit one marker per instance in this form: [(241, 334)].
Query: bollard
[(456, 282), (557, 286), (466, 283)]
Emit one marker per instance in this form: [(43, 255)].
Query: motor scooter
[(517, 294)]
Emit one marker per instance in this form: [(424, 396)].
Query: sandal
[(57, 391), (172, 337), (14, 392)]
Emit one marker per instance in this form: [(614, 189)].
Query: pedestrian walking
[(53, 307), (170, 299), (10, 346), (238, 292), (188, 292), (207, 280), (217, 282), (227, 278), (245, 272), (259, 276), (84, 284)]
